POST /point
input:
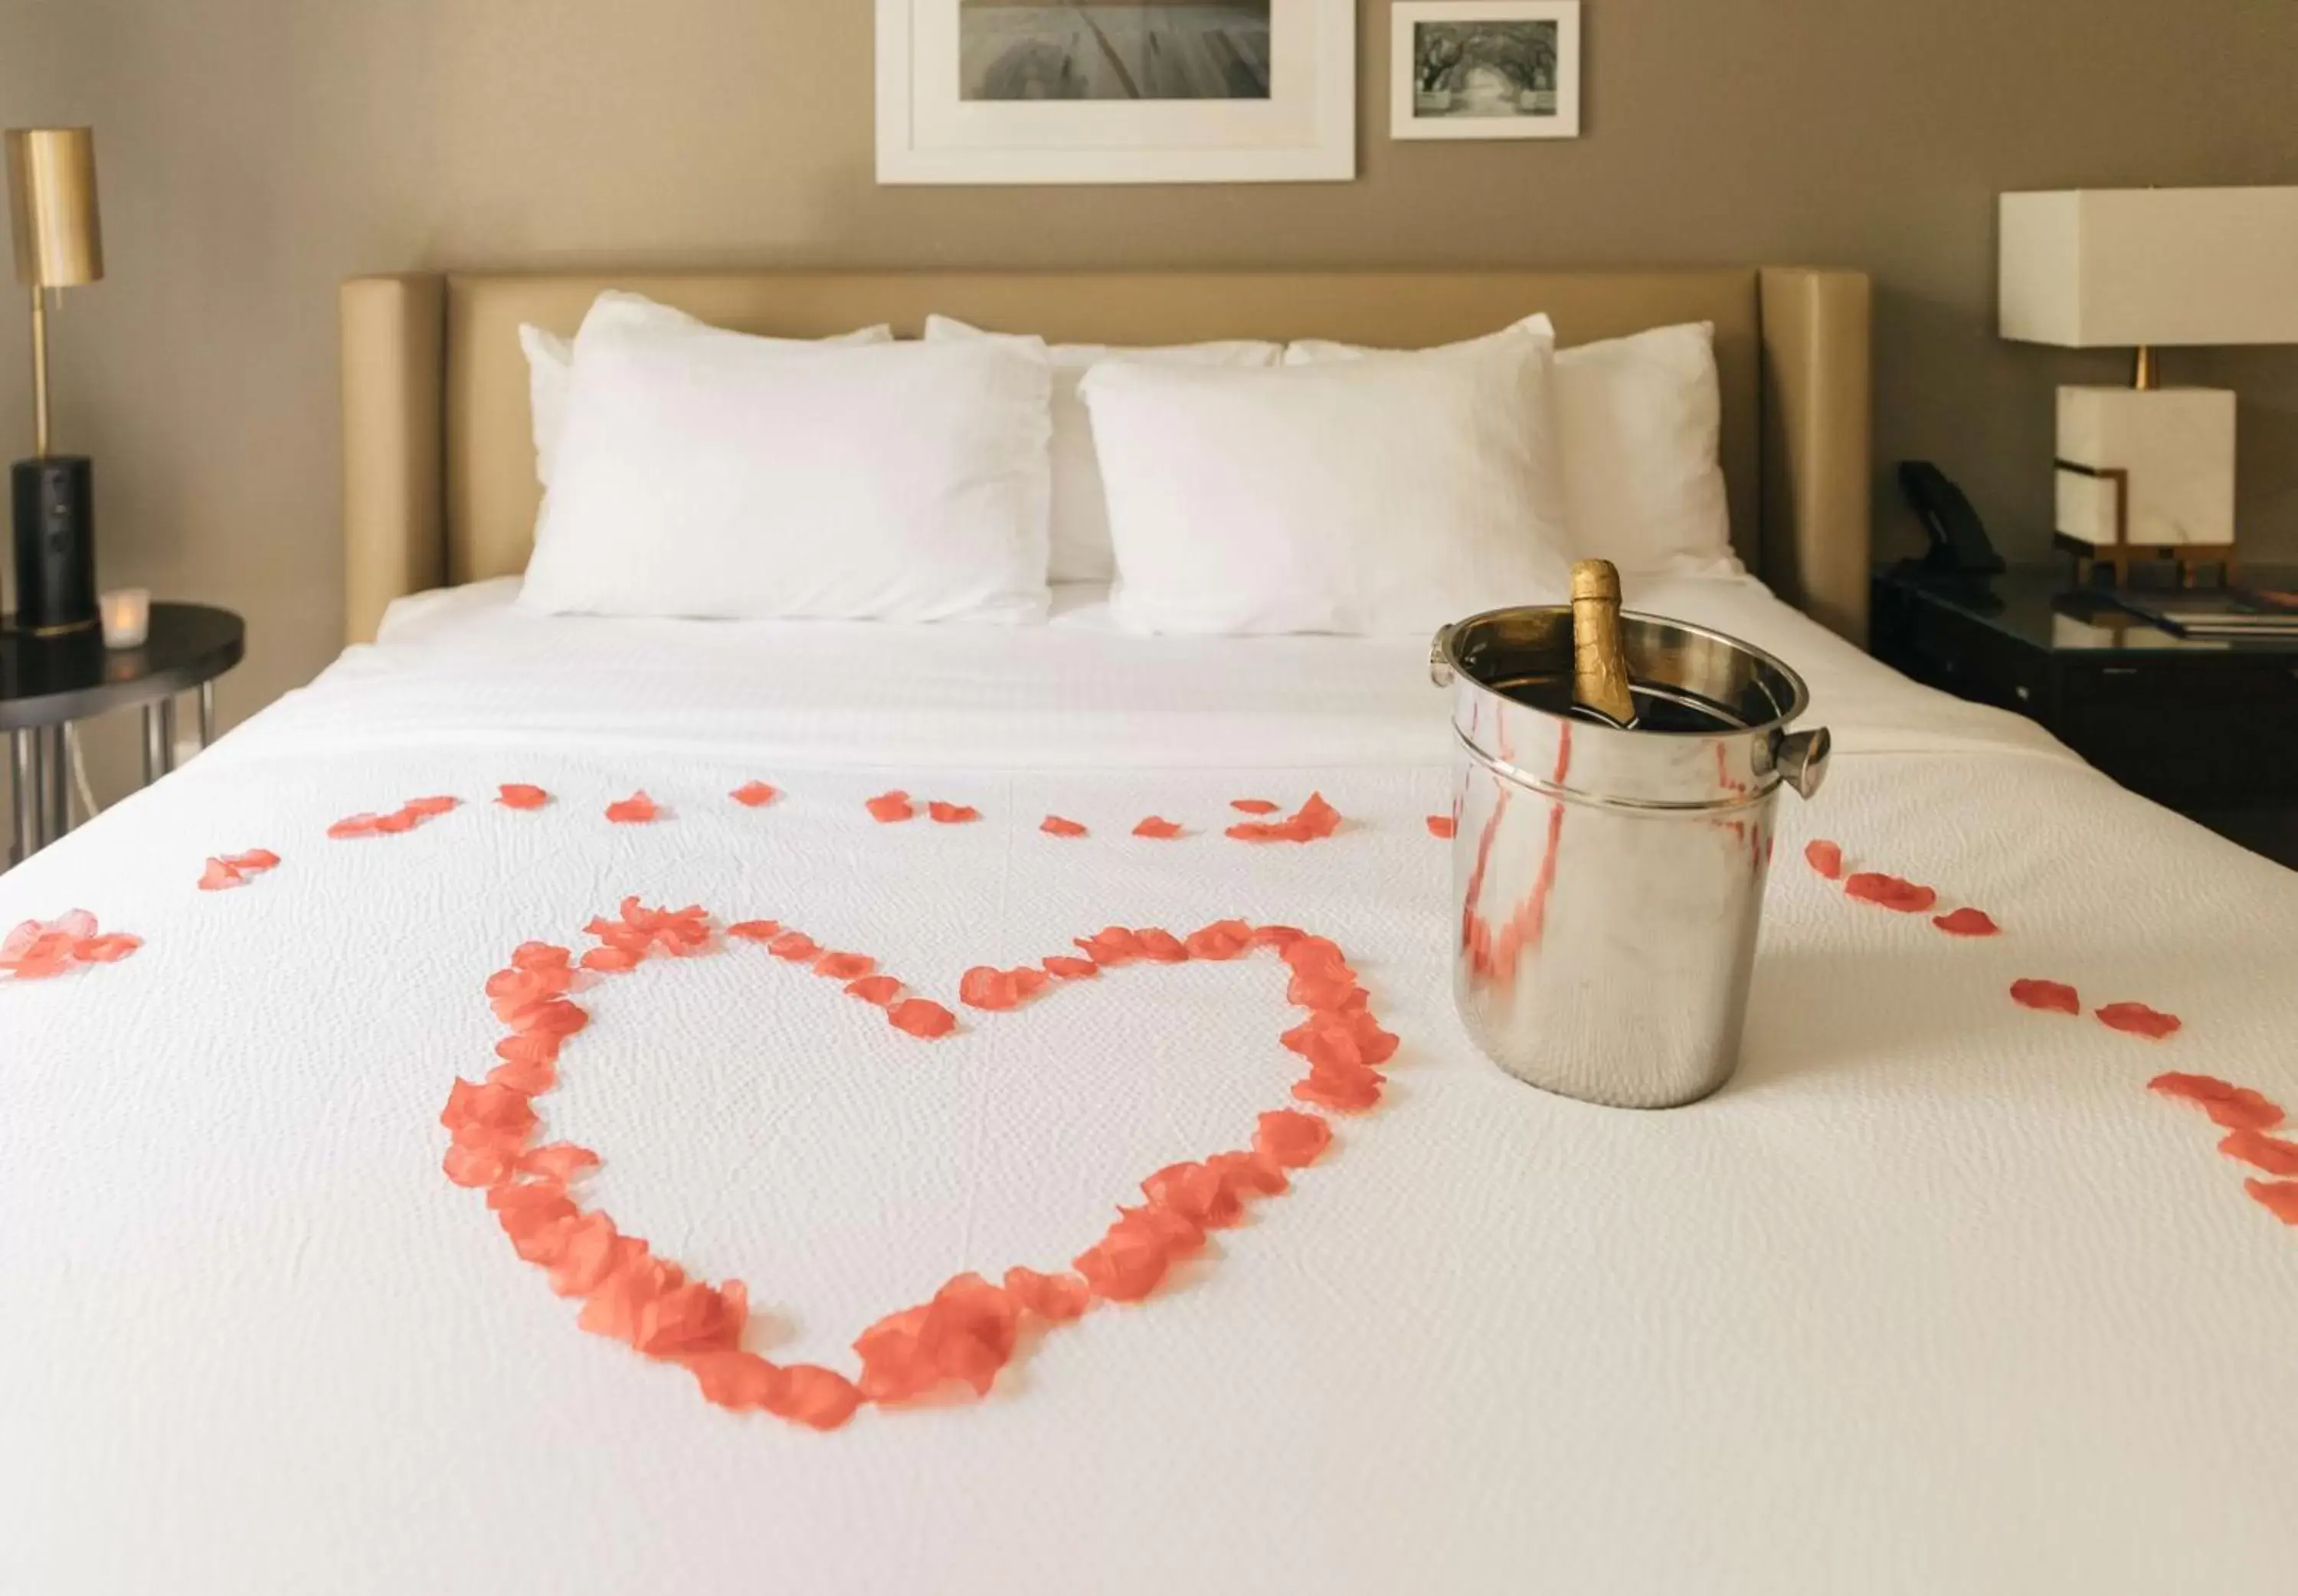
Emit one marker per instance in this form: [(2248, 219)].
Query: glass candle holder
[(127, 617)]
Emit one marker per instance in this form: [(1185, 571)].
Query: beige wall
[(253, 152)]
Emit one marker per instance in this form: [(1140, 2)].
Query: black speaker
[(55, 544)]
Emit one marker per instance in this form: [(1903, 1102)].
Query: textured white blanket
[(1937, 1296)]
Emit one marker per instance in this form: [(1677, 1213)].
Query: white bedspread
[(1937, 1296)]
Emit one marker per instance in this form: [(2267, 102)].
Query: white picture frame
[(1301, 130), (1478, 115)]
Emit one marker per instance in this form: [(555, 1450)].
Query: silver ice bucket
[(1608, 883)]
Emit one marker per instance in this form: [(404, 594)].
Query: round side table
[(48, 682)]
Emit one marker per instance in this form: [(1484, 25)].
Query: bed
[(1979, 1278)]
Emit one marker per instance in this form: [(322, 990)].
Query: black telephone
[(1959, 544)]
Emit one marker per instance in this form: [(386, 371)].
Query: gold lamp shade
[(51, 203)]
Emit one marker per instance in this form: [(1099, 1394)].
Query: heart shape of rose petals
[(970, 1329)]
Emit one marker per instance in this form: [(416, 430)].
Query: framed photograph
[(1485, 68), (1116, 91)]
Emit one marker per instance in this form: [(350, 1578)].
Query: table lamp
[(59, 244), (2147, 472)]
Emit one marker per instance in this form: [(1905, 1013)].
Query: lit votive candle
[(127, 617)]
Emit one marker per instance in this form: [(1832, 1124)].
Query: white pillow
[(550, 359), (705, 473), (1379, 496), (1640, 426), (1081, 536)]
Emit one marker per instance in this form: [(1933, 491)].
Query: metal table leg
[(159, 739), (25, 792), (57, 764), (207, 714)]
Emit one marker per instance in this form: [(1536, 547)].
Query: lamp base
[(2118, 559), (2152, 466), (56, 544)]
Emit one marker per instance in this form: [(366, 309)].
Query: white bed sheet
[(462, 665), (1935, 1296)]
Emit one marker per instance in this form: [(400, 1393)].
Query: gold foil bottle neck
[(1600, 663)]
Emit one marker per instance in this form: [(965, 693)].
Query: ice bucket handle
[(1440, 671), (1802, 758)]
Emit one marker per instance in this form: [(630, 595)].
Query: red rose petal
[(1160, 947), (636, 810), (922, 1018), (108, 949), (2138, 1020), (951, 814), (561, 1161), (796, 946), (529, 1051), (878, 989), (1222, 940), (819, 1398), (1127, 1263), (634, 1279), (890, 808), (1967, 923), (1349, 1091), (254, 862), (1295, 1140), (755, 794), (588, 1252), (1825, 857), (2271, 1153), (1055, 826), (1157, 829), (1316, 818), (1111, 945), (844, 966), (756, 931), (221, 876), (405, 818), (982, 988), (518, 795), (1889, 892), (477, 1167), (1070, 969), (1312, 821), (965, 1334), (2049, 995), (2277, 1198), (1441, 826), (1057, 1299), (610, 960), (1253, 805), (734, 1379), (693, 1318), (1197, 1193), (2231, 1107), (1255, 1172)]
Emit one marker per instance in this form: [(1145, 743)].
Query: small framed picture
[(1485, 68)]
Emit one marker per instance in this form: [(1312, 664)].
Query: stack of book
[(2263, 614)]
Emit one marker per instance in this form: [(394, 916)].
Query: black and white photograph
[(1113, 50), (1487, 69), (1117, 91)]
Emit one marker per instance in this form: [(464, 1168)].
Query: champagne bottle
[(1600, 661)]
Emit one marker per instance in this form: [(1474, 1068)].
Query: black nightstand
[(2209, 728), (48, 682)]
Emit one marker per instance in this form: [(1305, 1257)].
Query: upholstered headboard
[(439, 460)]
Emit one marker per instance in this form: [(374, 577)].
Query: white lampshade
[(2091, 268)]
